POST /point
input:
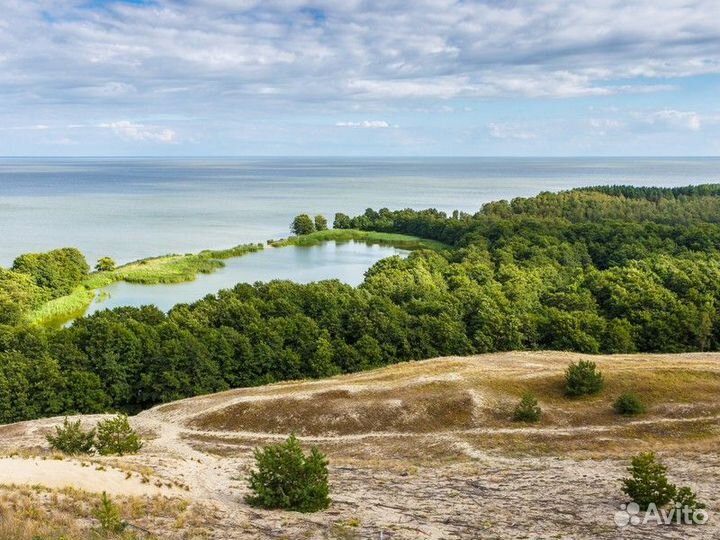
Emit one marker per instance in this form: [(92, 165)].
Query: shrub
[(582, 378), (628, 404), (527, 410), (648, 482), (105, 264), (109, 516), (286, 478), (72, 439), (115, 436), (686, 498)]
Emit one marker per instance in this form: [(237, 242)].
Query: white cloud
[(369, 124), (676, 119), (141, 132), (509, 131)]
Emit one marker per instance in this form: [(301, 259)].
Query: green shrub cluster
[(113, 436), (286, 478), (648, 484), (583, 379)]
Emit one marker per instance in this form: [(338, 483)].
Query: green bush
[(109, 516), (582, 378), (72, 439), (527, 410), (115, 436), (628, 404), (286, 478), (105, 264), (648, 482), (686, 498)]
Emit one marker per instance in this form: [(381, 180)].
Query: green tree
[(72, 439), (286, 478), (342, 221), (105, 264), (321, 223), (115, 436), (528, 409), (648, 482), (109, 516), (302, 224), (582, 378)]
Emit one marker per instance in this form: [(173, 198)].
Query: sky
[(360, 77)]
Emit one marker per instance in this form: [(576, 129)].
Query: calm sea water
[(134, 208)]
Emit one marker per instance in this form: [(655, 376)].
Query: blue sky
[(360, 77)]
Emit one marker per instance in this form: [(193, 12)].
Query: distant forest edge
[(603, 269)]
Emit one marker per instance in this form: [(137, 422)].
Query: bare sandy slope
[(424, 449)]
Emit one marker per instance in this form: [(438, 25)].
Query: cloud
[(369, 124), (509, 131), (218, 66), (682, 119), (141, 132)]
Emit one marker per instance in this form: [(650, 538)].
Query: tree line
[(595, 271)]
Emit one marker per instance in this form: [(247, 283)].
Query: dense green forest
[(608, 269)]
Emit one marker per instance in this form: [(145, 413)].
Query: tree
[(582, 378), (342, 221), (648, 482), (528, 409), (628, 404), (109, 516), (72, 439), (321, 223), (302, 224), (115, 436), (286, 478), (105, 264)]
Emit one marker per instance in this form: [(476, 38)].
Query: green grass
[(152, 271), (402, 241), (60, 310)]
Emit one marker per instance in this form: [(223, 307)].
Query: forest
[(608, 269)]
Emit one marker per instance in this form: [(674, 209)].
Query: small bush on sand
[(115, 436), (582, 378), (687, 498), (109, 516), (286, 478), (70, 438), (648, 482), (527, 410), (628, 404)]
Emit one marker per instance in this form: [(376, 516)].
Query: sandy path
[(65, 473)]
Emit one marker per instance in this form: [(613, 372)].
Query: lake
[(132, 208), (345, 261)]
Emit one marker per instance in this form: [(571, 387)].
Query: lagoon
[(347, 262)]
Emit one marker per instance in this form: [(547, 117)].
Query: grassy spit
[(402, 241), (166, 269)]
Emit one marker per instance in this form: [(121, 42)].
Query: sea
[(131, 208)]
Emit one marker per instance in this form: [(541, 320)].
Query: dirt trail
[(478, 476)]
